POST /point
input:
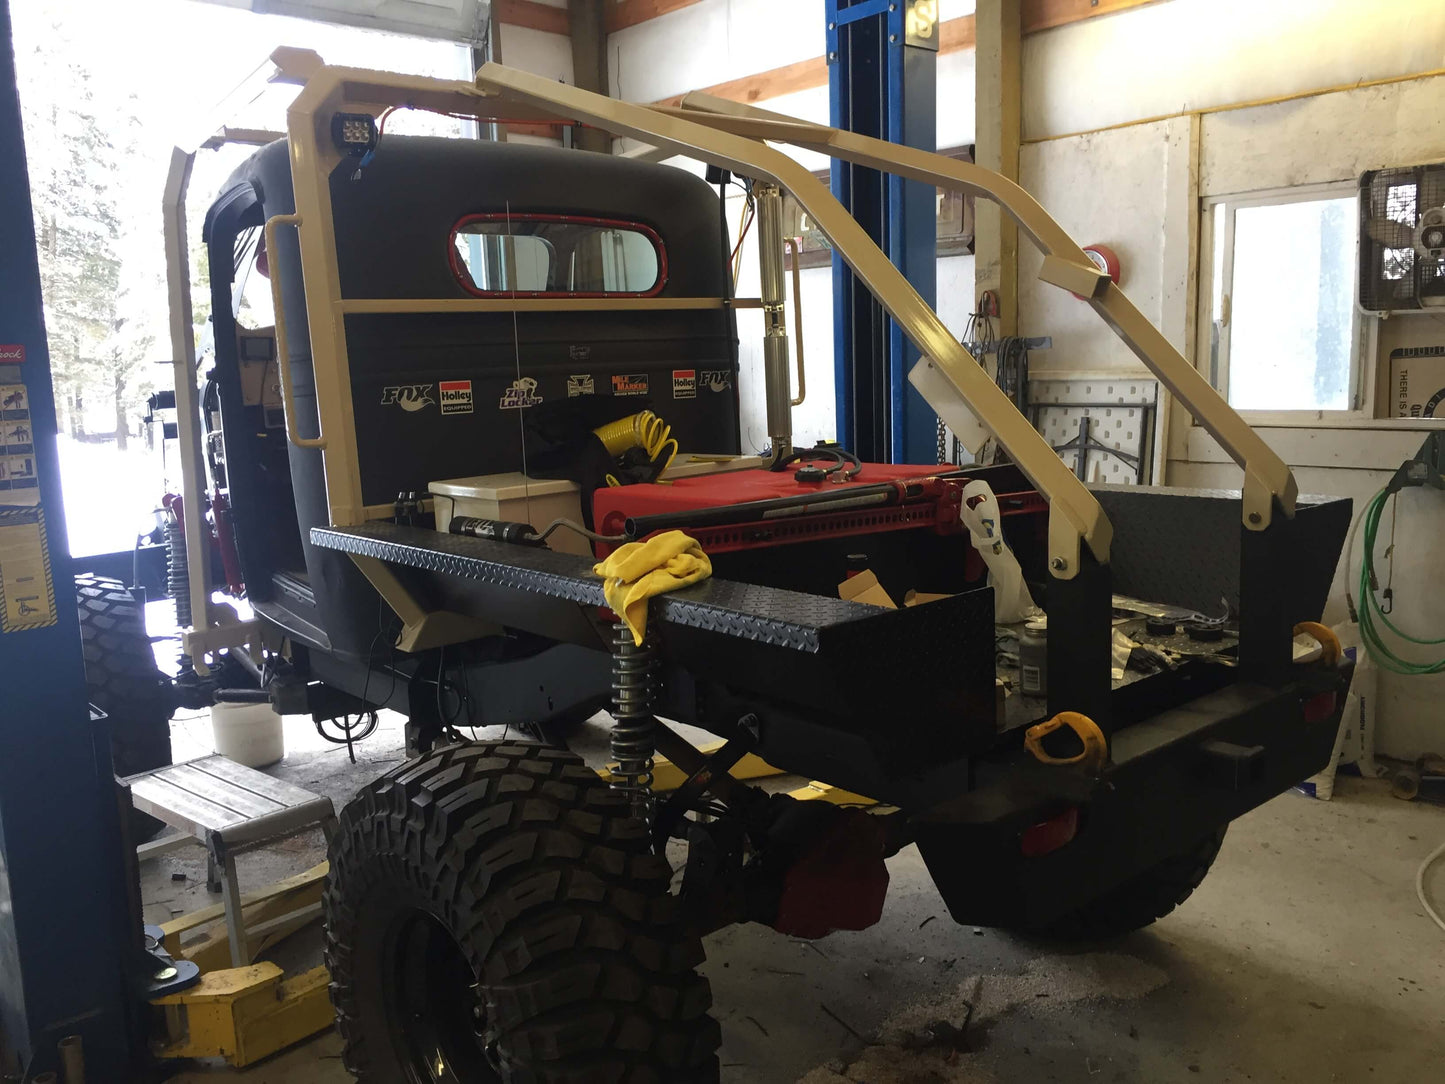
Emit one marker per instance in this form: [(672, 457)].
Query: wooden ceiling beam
[(953, 35), (1046, 14), (625, 13)]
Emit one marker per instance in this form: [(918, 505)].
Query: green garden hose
[(1372, 617)]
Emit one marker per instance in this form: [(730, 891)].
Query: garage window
[(537, 255), (1280, 328)]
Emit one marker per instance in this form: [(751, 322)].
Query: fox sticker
[(410, 397)]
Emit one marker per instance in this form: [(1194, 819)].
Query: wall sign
[(27, 591)]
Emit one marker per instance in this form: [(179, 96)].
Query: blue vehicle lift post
[(882, 82), (69, 927)]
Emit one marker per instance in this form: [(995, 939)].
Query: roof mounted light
[(355, 134)]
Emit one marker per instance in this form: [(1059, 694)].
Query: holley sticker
[(684, 383), (456, 396), (629, 384)]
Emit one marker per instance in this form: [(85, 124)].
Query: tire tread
[(545, 880)]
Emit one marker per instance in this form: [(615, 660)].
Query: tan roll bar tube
[(283, 353), (1074, 515), (1267, 478)]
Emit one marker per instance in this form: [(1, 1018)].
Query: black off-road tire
[(1138, 902), (495, 906), (122, 680)]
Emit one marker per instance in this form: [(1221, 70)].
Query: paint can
[(1034, 657)]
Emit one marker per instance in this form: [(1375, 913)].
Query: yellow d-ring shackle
[(1096, 748), (1329, 642)]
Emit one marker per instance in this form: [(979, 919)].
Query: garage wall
[(1185, 55), (1135, 182), (716, 41)]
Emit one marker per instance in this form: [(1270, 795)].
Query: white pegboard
[(1123, 391), (1121, 413)]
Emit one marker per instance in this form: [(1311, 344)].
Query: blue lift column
[(67, 923), (882, 82)]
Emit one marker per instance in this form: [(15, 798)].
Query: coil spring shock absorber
[(178, 577), (632, 740)]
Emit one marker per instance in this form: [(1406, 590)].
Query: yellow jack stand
[(244, 1014)]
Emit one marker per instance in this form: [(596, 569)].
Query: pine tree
[(81, 148)]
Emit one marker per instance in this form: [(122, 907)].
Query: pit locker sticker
[(456, 396), (581, 384), (684, 383), (522, 393), (27, 591), (629, 384), (12, 354), (717, 379), (19, 482)]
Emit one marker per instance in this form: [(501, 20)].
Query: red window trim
[(464, 278)]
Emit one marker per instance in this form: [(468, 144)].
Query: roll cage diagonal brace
[(1267, 479)]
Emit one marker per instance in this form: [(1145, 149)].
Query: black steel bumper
[(1171, 781)]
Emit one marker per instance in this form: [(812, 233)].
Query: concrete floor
[(1305, 956)]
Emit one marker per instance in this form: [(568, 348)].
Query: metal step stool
[(227, 808)]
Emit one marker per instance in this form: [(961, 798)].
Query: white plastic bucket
[(249, 734)]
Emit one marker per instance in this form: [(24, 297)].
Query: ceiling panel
[(452, 20)]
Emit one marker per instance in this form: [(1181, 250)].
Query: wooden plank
[(956, 34), (532, 15), (625, 13), (183, 923), (1046, 14), (212, 950)]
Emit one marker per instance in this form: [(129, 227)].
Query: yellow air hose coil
[(645, 430)]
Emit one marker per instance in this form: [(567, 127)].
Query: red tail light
[(1319, 707), (1048, 836)]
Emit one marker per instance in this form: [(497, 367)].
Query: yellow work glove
[(637, 571)]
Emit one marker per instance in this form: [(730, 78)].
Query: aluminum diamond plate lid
[(764, 614)]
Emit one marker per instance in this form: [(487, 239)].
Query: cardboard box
[(865, 587), (1417, 382)]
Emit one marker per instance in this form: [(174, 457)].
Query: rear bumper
[(1171, 782)]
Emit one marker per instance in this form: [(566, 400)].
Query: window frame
[(1364, 327), (463, 274)]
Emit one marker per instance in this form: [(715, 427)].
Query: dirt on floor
[(1305, 956)]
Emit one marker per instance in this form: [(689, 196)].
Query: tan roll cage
[(734, 137)]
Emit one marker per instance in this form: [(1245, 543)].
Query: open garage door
[(452, 20)]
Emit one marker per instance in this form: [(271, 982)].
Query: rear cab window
[(546, 255)]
